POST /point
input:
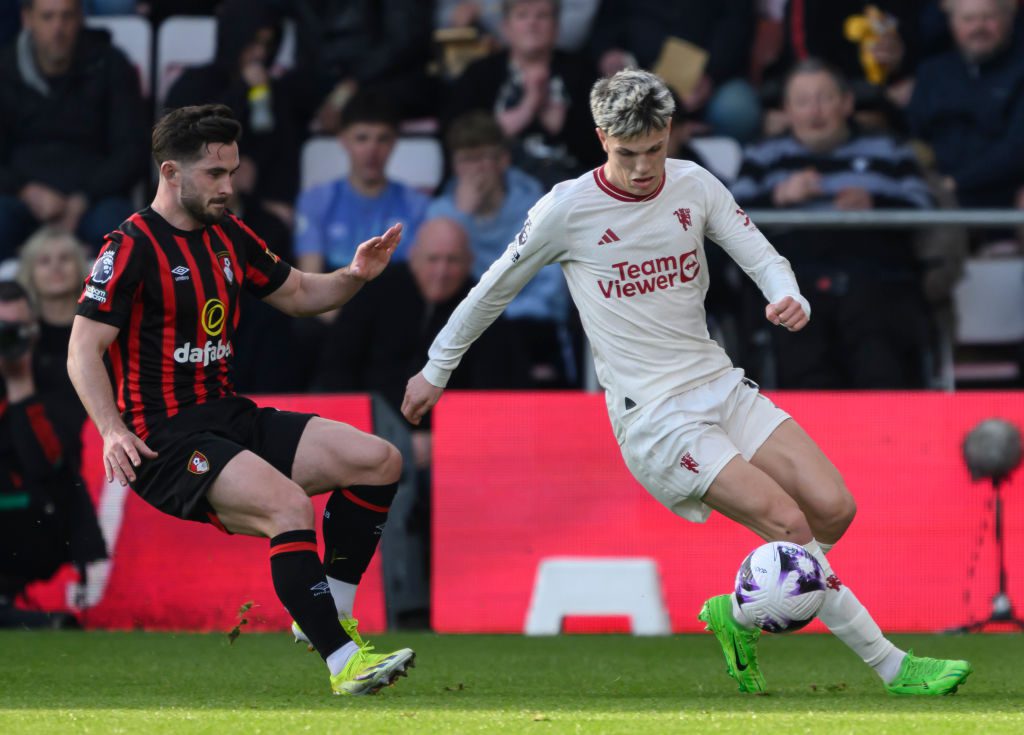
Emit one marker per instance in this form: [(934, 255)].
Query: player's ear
[(603, 138), (169, 170)]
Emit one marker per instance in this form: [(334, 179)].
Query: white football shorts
[(677, 445)]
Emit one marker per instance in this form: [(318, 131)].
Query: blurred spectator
[(490, 199), (72, 128), (870, 322), (968, 104), (333, 218), (51, 268), (248, 38), (575, 18), (540, 96), (874, 45), (46, 516), (345, 46), (634, 32), (383, 336), (388, 329)]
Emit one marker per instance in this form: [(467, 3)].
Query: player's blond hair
[(630, 103)]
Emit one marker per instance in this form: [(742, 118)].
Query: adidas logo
[(609, 237)]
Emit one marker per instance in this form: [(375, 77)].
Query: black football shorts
[(197, 443)]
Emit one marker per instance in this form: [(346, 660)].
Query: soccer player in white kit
[(693, 431)]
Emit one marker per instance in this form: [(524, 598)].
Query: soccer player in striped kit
[(693, 431), (162, 304)]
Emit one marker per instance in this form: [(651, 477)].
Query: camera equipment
[(15, 339)]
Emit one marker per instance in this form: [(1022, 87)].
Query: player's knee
[(786, 522), (292, 510), (840, 511), (383, 463)]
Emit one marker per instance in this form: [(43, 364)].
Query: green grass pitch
[(163, 683)]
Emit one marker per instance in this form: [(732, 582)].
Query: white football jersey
[(637, 271)]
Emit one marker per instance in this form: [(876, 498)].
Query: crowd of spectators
[(840, 105)]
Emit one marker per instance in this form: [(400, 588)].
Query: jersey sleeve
[(540, 242), (113, 283), (730, 227), (264, 271)]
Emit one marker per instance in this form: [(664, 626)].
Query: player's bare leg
[(249, 496), (803, 471)]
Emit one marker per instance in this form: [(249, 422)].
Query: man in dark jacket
[(248, 39), (72, 128), (969, 104), (46, 516)]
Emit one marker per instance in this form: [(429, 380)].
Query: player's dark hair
[(27, 4), (182, 134), (473, 130), (370, 107), (812, 65)]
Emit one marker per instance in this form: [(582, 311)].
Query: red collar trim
[(621, 194)]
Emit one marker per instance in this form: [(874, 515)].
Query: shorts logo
[(103, 268), (687, 462), (212, 317), (225, 262), (198, 464)]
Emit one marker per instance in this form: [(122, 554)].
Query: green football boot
[(367, 672), (739, 644), (928, 677)]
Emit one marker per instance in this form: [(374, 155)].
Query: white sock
[(825, 548), (344, 595), (337, 660), (851, 623)]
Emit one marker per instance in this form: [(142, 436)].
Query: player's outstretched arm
[(420, 397), (123, 451), (787, 313), (308, 294)]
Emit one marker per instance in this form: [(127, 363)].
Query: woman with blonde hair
[(52, 267)]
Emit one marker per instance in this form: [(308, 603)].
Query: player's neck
[(176, 216)]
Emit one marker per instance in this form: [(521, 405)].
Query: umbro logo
[(609, 237), (320, 588), (180, 273)]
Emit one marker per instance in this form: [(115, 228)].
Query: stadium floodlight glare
[(992, 450)]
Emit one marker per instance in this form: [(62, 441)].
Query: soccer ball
[(780, 587)]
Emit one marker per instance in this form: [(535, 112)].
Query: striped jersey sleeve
[(114, 280), (265, 272)]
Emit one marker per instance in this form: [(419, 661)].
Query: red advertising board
[(519, 478), (168, 574)]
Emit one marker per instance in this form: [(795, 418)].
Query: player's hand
[(122, 453), (420, 397), (372, 256), (44, 203), (787, 313)]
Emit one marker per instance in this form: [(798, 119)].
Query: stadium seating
[(990, 319), (417, 161), (133, 35), (722, 156)]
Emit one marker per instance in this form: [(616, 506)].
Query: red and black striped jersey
[(175, 296)]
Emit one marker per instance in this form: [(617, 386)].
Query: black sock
[(353, 523), (300, 585)]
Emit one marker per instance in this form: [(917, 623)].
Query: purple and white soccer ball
[(780, 587)]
